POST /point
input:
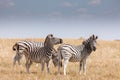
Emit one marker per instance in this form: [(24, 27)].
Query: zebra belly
[(40, 59), (75, 59), (36, 60)]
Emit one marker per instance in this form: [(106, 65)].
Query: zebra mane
[(91, 38), (47, 39), (48, 46)]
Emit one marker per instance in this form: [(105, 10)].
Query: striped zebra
[(18, 56), (80, 53), (36, 54)]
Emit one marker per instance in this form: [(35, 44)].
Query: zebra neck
[(87, 50), (49, 50)]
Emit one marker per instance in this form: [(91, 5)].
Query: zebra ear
[(96, 37), (50, 35), (93, 36)]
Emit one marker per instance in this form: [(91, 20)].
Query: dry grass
[(104, 64)]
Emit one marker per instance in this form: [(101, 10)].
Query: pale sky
[(63, 18)]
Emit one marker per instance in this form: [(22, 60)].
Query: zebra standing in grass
[(39, 54), (18, 56), (80, 53)]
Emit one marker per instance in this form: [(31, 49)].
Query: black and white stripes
[(42, 52), (21, 46), (77, 53), (35, 53)]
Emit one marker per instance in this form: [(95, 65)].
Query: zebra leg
[(65, 65), (15, 59), (19, 61), (19, 58), (84, 67), (28, 64), (14, 62), (37, 65), (42, 67), (81, 65), (59, 61), (48, 67)]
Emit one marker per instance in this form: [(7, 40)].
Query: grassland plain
[(104, 64)]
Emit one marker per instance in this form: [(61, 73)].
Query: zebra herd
[(43, 52)]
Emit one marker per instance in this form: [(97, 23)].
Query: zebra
[(39, 54), (18, 56), (80, 53)]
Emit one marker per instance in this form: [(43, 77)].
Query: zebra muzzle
[(94, 48)]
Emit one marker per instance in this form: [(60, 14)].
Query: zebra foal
[(80, 53), (39, 54)]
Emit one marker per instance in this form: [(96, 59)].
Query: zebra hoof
[(80, 72), (49, 73), (84, 74), (28, 72), (64, 74), (21, 72), (58, 73)]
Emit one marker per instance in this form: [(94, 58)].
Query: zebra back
[(29, 46)]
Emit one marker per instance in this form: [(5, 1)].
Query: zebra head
[(50, 41), (91, 42)]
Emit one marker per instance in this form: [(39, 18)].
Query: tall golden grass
[(103, 64)]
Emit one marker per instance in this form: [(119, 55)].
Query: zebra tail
[(14, 47)]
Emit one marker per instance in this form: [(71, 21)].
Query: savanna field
[(103, 64)]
